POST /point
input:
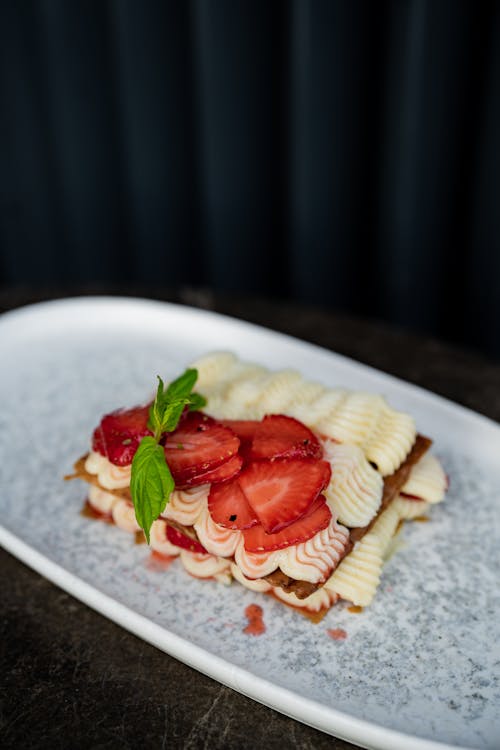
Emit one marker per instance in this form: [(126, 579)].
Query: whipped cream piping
[(410, 509), (385, 435), (123, 514), (315, 559), (216, 539), (185, 506), (310, 561), (321, 599), (101, 500), (258, 584), (427, 480), (386, 526), (206, 566), (355, 490), (357, 576), (253, 565), (109, 476)]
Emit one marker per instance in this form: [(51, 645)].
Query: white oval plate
[(419, 668)]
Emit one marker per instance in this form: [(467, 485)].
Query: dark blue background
[(341, 153)]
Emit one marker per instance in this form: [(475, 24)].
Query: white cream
[(255, 565), (109, 476), (185, 506), (259, 584), (315, 559), (311, 561), (321, 599), (102, 501), (206, 566), (427, 480), (216, 539), (358, 575), (354, 492), (123, 514)]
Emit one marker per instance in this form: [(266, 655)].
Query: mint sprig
[(151, 481)]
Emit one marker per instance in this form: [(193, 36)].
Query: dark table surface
[(72, 679)]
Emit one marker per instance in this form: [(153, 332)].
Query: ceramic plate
[(418, 669)]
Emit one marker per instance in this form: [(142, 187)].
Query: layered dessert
[(282, 484)]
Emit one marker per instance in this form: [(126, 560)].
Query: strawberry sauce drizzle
[(337, 634), (255, 622)]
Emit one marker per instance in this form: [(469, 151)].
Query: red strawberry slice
[(316, 519), (278, 436), (229, 507), (244, 429), (281, 491), (222, 473), (98, 444), (199, 444), (184, 541), (119, 434)]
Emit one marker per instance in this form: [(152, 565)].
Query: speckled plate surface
[(418, 669)]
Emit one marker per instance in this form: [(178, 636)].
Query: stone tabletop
[(72, 679)]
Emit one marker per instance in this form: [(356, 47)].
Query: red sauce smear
[(159, 562), (255, 622), (338, 634)]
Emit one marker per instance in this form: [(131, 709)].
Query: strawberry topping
[(244, 429), (316, 519), (223, 473), (184, 541), (198, 445), (278, 436), (98, 444), (229, 507), (281, 491), (119, 434)]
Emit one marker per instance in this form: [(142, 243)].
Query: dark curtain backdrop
[(341, 153)]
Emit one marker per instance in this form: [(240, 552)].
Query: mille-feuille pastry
[(285, 485)]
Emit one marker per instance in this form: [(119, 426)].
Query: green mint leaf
[(151, 483), (182, 386), (156, 409), (196, 401), (169, 403), (172, 414)]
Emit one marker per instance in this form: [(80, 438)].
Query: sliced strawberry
[(229, 507), (120, 433), (244, 429), (316, 519), (198, 445), (278, 436), (281, 491), (229, 469), (98, 444), (184, 541)]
